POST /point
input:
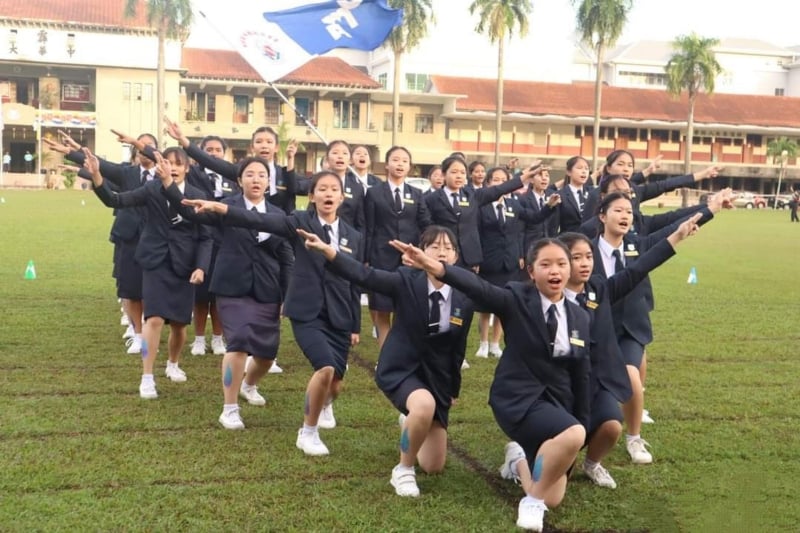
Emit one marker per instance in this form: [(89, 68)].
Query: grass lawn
[(79, 451)]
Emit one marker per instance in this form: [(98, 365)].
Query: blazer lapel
[(535, 308), (421, 293), (570, 198), (387, 195)]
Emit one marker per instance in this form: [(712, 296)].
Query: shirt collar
[(444, 290), (260, 207), (605, 248), (546, 303), (334, 225)]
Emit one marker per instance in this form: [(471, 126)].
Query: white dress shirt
[(445, 305), (261, 208), (561, 345)]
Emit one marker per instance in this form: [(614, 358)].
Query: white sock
[(629, 438), (484, 344), (199, 339), (216, 337), (589, 464), (309, 430), (531, 499), (137, 336), (148, 378), (401, 467), (229, 407), (494, 346)]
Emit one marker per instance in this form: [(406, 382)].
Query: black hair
[(492, 170), (335, 143), (433, 169), (245, 162), (433, 233), (571, 238), (608, 179), (135, 152), (179, 154), (324, 174), (613, 156), (571, 162), (459, 155), (210, 138), (393, 149), (533, 251), (264, 129), (450, 161), (609, 199), (474, 165)]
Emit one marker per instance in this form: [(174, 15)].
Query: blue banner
[(320, 27)]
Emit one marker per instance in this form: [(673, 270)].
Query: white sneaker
[(275, 369), (129, 332), (147, 391), (404, 481), (199, 346), (638, 452), (483, 350), (599, 476), (530, 514), (374, 332), (175, 373), (134, 344), (514, 453), (217, 346), (311, 443), (401, 420), (326, 419), (124, 320), (250, 393), (464, 365), (231, 420), (646, 418), (495, 350)]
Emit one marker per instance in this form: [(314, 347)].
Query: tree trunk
[(598, 93), (498, 119), (687, 161), (161, 79), (396, 97)]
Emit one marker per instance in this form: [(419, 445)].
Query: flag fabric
[(692, 280), (278, 41)]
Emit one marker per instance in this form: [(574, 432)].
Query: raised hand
[(315, 244), (415, 258), (720, 200), (553, 200), (56, 146), (163, 170), (68, 141), (688, 227), (652, 167), (710, 172), (127, 139), (173, 130), (92, 165)]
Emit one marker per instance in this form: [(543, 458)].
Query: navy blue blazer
[(383, 223), (128, 223), (608, 365), (352, 209), (527, 371), (535, 231), (314, 291), (569, 213), (408, 349), (644, 224), (502, 244), (284, 179), (243, 266), (168, 237), (464, 224)]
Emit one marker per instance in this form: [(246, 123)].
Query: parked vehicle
[(420, 183), (749, 200), (781, 199)]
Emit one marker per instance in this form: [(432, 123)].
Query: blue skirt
[(322, 344), (250, 326), (167, 295)]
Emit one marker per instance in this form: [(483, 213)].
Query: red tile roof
[(96, 13), (229, 65), (577, 99)]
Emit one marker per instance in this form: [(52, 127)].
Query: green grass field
[(79, 451)]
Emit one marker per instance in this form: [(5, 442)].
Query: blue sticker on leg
[(538, 465), (404, 442), (227, 379), (306, 405), (144, 349)]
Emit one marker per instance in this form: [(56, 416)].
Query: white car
[(422, 184)]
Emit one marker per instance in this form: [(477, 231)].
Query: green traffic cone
[(30, 270)]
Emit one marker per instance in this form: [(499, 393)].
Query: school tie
[(500, 216), (552, 325), (581, 299), (541, 203), (398, 204), (435, 314), (145, 175), (455, 202), (328, 230), (581, 200), (619, 266), (216, 184)]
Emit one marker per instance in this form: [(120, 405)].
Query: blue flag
[(318, 28), (277, 42)]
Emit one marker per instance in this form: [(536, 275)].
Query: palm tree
[(693, 68), (776, 147), (172, 19), (417, 14), (600, 24), (499, 18)]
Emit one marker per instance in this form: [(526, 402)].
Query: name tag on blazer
[(631, 251), (408, 201), (591, 300), (463, 203), (281, 187), (575, 339), (343, 246), (226, 187), (509, 214), (455, 317)]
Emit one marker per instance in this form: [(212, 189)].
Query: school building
[(98, 71)]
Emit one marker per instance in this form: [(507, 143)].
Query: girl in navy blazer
[(419, 368), (615, 249), (324, 308), (573, 195), (541, 390), (501, 226), (174, 254), (362, 163), (394, 210), (248, 280), (477, 176), (610, 382)]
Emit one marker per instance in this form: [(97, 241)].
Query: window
[(241, 109), (346, 114), (137, 91), (661, 135), (779, 92), (416, 82), (630, 133), (423, 124), (126, 90), (147, 92), (754, 140), (387, 122), (211, 114), (197, 106), (307, 108), (272, 110), (676, 136), (383, 79)]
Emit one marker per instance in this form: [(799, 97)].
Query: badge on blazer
[(575, 339), (281, 187), (345, 249), (226, 187), (509, 214), (408, 200), (455, 317), (463, 203), (408, 195), (592, 296)]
